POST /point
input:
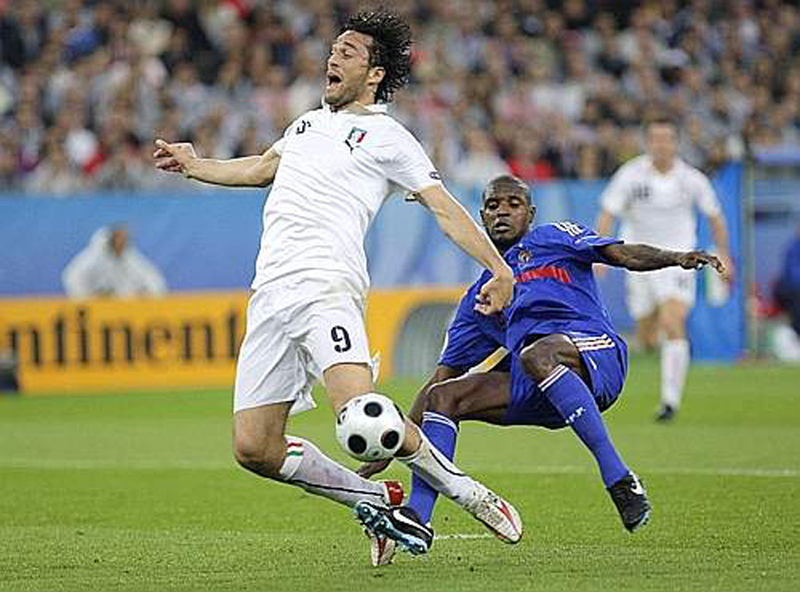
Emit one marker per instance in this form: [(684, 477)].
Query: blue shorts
[(606, 359)]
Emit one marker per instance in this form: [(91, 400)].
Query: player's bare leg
[(647, 332), (675, 356), (346, 381), (261, 446), (549, 361)]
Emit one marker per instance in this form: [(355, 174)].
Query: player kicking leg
[(579, 376), (514, 398), (274, 377), (287, 342)]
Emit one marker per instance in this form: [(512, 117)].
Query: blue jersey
[(555, 293), (472, 337), (555, 290)]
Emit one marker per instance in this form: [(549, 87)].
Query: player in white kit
[(330, 173), (655, 196)]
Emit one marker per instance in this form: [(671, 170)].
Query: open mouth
[(333, 79)]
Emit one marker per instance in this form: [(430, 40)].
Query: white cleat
[(499, 516)]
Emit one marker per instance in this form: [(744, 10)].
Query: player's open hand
[(369, 469), (699, 259), (175, 157), (495, 295)]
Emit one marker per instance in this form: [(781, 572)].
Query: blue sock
[(573, 400), (442, 432)]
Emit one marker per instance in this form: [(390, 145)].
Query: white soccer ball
[(370, 427)]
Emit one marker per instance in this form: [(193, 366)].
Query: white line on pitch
[(174, 464), (447, 537)]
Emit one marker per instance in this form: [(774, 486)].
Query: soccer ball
[(370, 427)]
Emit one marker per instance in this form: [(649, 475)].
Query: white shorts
[(650, 289), (294, 332)]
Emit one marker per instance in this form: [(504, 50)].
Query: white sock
[(674, 365), (307, 467), (440, 473)]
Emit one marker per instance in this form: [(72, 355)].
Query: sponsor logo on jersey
[(355, 137)]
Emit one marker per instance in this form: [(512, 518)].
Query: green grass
[(137, 491)]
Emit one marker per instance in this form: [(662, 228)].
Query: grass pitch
[(139, 492)]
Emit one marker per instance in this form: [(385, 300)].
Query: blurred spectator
[(527, 159), (55, 174), (480, 162), (110, 266), (574, 73)]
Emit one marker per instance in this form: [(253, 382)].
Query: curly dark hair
[(390, 49)]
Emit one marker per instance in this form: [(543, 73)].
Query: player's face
[(349, 74), (506, 215), (662, 142), (119, 241)]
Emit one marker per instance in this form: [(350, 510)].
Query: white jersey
[(335, 171), (657, 208)]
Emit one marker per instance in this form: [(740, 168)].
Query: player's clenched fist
[(496, 294), (174, 158)]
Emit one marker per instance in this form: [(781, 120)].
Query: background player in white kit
[(655, 195), (330, 173)]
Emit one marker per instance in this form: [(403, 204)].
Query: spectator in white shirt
[(110, 267)]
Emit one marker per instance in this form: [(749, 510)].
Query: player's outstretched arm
[(459, 226), (638, 257), (248, 171), (418, 407)]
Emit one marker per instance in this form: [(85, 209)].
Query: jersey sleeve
[(704, 194), (466, 345), (279, 145), (408, 166), (580, 242), (614, 199)]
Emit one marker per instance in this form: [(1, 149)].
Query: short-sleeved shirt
[(657, 208), (555, 290), (335, 171)]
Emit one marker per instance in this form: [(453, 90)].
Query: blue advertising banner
[(209, 241)]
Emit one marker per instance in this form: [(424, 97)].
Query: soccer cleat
[(496, 514), (401, 525), (665, 414), (630, 498), (382, 549)]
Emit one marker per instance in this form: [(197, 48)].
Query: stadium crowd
[(539, 88)]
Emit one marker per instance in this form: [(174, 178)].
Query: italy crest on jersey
[(355, 137)]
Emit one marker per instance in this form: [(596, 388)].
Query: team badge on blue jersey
[(355, 137), (524, 256)]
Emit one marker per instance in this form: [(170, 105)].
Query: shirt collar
[(377, 108)]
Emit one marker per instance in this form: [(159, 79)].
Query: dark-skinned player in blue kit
[(565, 366)]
